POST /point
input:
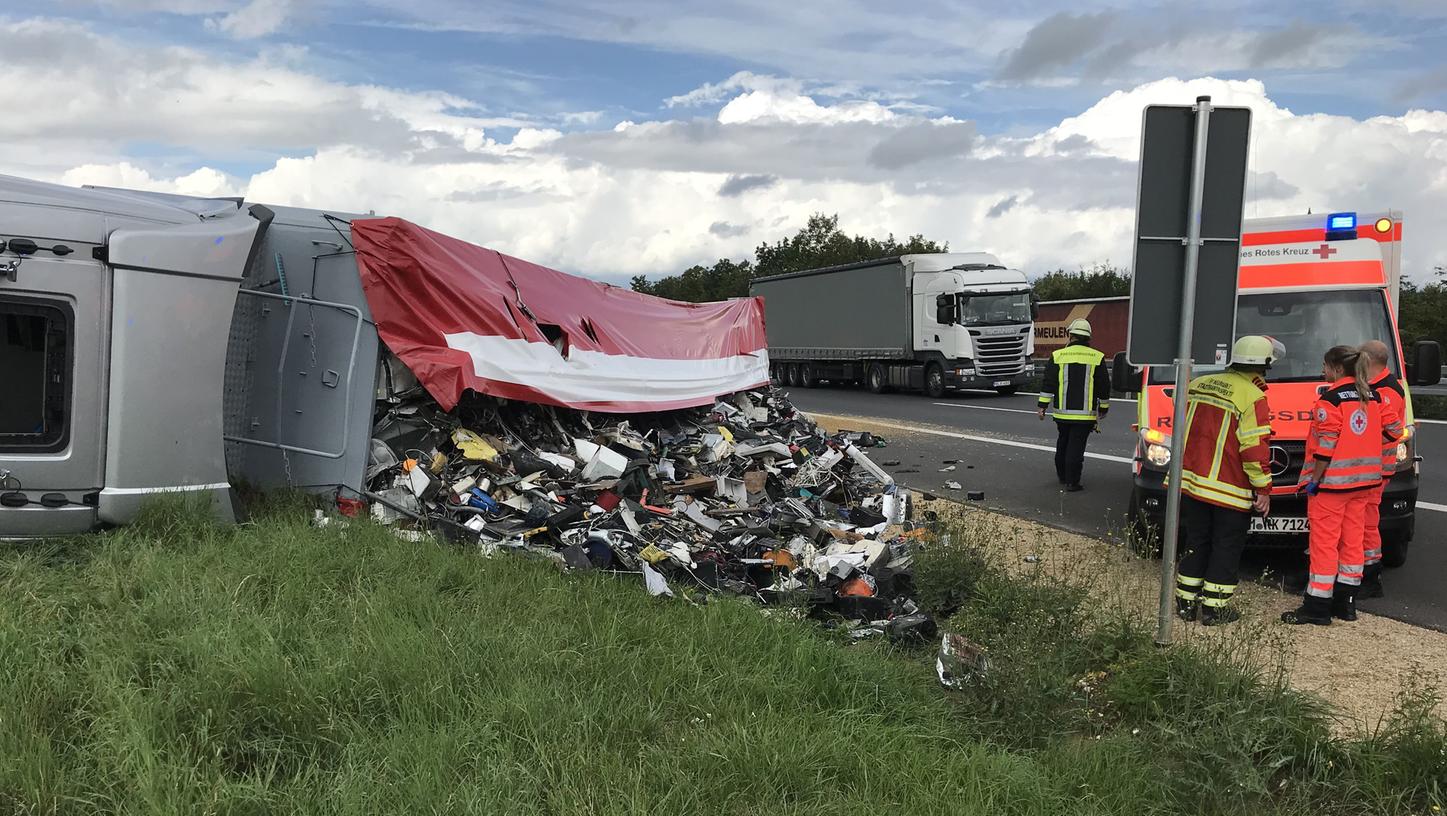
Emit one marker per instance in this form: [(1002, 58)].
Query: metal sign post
[(1187, 253), (1183, 371)]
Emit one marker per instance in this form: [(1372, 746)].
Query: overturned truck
[(154, 344)]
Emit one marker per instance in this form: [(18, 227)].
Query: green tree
[(1423, 313), (819, 243), (1100, 280)]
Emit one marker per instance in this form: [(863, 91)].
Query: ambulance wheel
[(1394, 551), (878, 382), (806, 376), (1143, 535), (934, 380)]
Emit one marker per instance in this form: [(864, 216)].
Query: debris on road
[(953, 485)]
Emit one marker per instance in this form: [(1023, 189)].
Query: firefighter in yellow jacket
[(1224, 478), (1076, 391)]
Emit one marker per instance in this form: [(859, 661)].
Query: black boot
[(1344, 602), (1186, 609), (1218, 615), (1313, 610), (1371, 582)]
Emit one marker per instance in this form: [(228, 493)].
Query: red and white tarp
[(461, 316)]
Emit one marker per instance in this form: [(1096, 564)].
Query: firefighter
[(1224, 478), (1342, 471), (1076, 390), (1395, 430)]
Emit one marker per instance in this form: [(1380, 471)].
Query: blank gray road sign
[(1167, 139)]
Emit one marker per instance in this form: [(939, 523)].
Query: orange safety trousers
[(1336, 519), (1371, 526)]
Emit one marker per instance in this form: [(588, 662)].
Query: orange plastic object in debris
[(408, 464), (781, 559), (856, 588)]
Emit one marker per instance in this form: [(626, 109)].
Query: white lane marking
[(1432, 421), (988, 439), (984, 407), (1440, 508)]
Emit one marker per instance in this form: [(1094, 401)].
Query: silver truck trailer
[(927, 322)]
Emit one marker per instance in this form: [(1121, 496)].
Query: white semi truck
[(927, 322)]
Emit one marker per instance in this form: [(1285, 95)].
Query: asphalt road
[(1004, 450)]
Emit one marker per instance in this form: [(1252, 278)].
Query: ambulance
[(1312, 282)]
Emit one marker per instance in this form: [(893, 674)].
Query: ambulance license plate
[(1278, 524), (1002, 383)]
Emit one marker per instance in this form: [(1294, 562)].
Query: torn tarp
[(463, 317)]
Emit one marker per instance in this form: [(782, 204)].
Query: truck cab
[(100, 292), (1311, 282), (977, 315)]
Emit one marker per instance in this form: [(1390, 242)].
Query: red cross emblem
[(1324, 251)]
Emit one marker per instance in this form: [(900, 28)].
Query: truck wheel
[(1006, 390), (1394, 551), (934, 380), (878, 383), (789, 375), (806, 376)]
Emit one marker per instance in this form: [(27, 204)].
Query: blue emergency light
[(1341, 226)]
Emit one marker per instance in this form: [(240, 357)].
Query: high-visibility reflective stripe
[(1364, 461), (1215, 603), (1348, 569), (1205, 493), (1190, 582), (1221, 434), (1349, 580), (1370, 554), (1187, 594), (1223, 588), (1189, 478), (1351, 480), (1326, 444), (1318, 592), (1321, 579)]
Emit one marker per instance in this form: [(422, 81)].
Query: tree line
[(1423, 310)]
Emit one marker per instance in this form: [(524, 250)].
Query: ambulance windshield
[(1307, 323)]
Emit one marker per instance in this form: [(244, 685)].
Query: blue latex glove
[(1311, 488)]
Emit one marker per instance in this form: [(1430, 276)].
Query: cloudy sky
[(621, 137)]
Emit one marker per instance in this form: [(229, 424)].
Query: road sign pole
[(1183, 372)]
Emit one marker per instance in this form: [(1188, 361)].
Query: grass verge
[(173, 667)]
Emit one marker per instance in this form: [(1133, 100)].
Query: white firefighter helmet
[(1257, 350), (1080, 327)]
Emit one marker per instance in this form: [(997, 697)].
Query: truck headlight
[(1158, 455)]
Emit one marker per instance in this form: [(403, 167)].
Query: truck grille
[(1000, 355)]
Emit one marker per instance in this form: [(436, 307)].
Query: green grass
[(172, 667)]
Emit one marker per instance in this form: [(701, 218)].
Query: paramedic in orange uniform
[(1342, 471), (1395, 430)]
